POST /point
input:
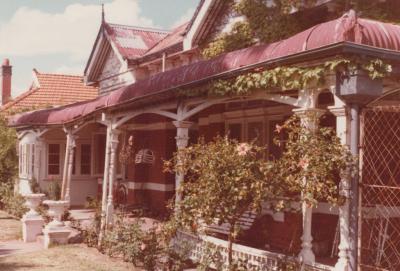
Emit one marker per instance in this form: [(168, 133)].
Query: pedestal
[(56, 233), (55, 236), (31, 228), (32, 222)]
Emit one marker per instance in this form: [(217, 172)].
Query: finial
[(103, 20)]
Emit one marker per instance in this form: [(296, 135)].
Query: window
[(54, 159), (21, 158), (26, 160), (27, 156), (86, 152), (99, 153), (32, 162)]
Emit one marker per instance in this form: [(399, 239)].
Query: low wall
[(255, 259)]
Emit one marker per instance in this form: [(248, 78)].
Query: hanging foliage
[(290, 77)]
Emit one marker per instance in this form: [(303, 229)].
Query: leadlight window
[(99, 153), (86, 152), (54, 156)]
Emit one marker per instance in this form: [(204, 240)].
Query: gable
[(210, 19), (118, 43), (111, 76)]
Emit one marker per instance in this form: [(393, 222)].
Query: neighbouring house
[(47, 90), (147, 83)]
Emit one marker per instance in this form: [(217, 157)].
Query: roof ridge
[(18, 98), (61, 74), (164, 38), (149, 29)]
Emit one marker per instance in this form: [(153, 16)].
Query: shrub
[(90, 233), (125, 240), (151, 249), (223, 180), (34, 185), (12, 203)]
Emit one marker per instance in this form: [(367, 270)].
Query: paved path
[(17, 246)]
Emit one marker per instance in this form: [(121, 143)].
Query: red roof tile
[(53, 90)]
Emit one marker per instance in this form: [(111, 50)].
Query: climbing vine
[(270, 21), (261, 24), (290, 77)]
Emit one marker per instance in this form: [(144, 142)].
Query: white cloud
[(32, 32), (184, 18)]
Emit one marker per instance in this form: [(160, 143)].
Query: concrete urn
[(32, 202), (56, 210)]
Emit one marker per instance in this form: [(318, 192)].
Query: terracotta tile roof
[(52, 90), (132, 41)]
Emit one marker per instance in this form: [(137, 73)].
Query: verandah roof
[(348, 29)]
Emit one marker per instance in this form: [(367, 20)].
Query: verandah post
[(105, 183), (70, 150), (343, 264), (182, 141), (112, 165), (309, 117), (65, 169)]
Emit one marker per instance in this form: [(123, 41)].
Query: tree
[(315, 155), (223, 180), (8, 154), (8, 170)]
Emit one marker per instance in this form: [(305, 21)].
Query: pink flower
[(130, 141), (243, 149), (304, 163), (278, 128), (143, 247)]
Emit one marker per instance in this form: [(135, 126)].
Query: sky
[(56, 36)]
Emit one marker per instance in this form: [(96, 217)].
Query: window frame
[(78, 159), (62, 158)]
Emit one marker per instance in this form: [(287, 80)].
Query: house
[(47, 90), (147, 82)]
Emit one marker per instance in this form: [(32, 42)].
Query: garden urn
[(56, 232)]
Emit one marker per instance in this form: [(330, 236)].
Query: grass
[(64, 258), (10, 228)]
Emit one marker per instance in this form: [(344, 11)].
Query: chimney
[(5, 81)]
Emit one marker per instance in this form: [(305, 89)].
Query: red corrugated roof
[(53, 90), (171, 39), (133, 42), (345, 29)]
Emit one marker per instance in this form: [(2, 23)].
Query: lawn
[(64, 258), (10, 227)]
